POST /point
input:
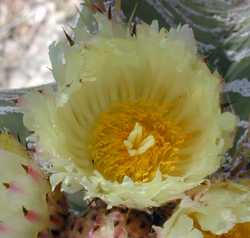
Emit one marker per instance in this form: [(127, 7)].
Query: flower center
[(136, 139), (135, 143)]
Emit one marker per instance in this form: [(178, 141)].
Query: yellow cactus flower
[(222, 212), (136, 120)]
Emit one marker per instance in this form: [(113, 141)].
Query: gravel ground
[(27, 27)]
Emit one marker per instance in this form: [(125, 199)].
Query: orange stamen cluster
[(154, 140)]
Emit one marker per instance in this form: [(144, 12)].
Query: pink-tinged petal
[(34, 173), (31, 216), (13, 187), (3, 228), (24, 211)]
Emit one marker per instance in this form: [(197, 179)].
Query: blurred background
[(27, 27)]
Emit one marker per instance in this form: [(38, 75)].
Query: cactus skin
[(23, 191)]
